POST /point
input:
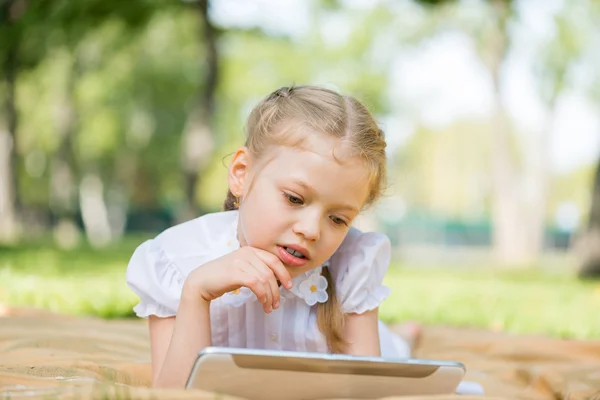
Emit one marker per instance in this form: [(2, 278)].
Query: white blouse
[(159, 267)]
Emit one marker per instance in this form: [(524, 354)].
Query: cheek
[(260, 222), (330, 243)]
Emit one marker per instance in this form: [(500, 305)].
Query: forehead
[(324, 163)]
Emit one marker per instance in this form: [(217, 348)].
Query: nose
[(309, 226)]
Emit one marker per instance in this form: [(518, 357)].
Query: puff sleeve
[(358, 269), (155, 279)]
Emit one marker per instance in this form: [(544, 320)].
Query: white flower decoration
[(313, 289), (238, 297)]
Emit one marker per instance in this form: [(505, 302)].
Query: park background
[(117, 120)]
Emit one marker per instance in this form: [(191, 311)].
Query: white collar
[(310, 286)]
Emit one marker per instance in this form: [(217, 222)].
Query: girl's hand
[(253, 268)]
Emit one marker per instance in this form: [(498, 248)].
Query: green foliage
[(572, 188), (129, 74), (37, 27), (445, 171), (564, 50), (254, 65), (131, 100), (130, 82), (434, 3)]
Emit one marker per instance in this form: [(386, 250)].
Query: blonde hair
[(284, 118)]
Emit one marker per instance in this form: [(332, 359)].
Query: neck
[(239, 233)]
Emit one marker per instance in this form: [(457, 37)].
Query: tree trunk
[(9, 199), (535, 191), (197, 140), (509, 234), (63, 171), (537, 177), (520, 226), (589, 243), (63, 174), (8, 217), (509, 237), (94, 210)]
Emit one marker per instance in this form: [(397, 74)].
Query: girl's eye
[(338, 220), (293, 199)]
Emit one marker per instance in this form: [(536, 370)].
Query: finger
[(266, 277), (251, 281), (250, 277), (275, 292), (267, 274), (275, 264)]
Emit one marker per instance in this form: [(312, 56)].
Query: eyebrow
[(304, 185), (311, 189)]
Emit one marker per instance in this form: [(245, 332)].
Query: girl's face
[(300, 205)]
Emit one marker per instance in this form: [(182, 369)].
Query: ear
[(239, 171)]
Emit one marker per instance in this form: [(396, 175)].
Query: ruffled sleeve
[(155, 279), (358, 268)]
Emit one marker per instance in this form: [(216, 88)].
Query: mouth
[(293, 255)]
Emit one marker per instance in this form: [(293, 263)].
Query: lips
[(298, 249), (290, 259)]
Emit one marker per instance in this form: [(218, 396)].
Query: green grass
[(531, 301), (80, 282), (90, 282)]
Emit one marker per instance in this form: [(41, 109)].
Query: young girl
[(281, 267)]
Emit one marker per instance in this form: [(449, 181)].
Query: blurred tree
[(554, 65), (133, 101), (588, 243), (29, 31), (254, 64), (510, 239), (520, 181), (440, 171), (493, 42), (197, 144), (10, 12)]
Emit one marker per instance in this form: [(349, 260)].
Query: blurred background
[(117, 120)]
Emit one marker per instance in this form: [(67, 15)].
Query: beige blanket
[(49, 356)]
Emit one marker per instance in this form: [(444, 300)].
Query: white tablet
[(275, 375)]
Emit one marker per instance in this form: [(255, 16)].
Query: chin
[(296, 271)]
